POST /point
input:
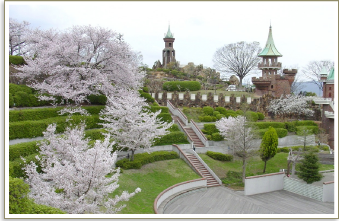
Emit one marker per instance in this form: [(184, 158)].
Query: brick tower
[(168, 54), (271, 82)]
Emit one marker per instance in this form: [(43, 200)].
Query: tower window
[(330, 88), (170, 44), (330, 95), (271, 86)]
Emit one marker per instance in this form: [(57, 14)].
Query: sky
[(302, 31)]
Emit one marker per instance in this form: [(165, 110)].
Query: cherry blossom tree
[(291, 105), (74, 177), (80, 61), (129, 122), (18, 32), (239, 136)]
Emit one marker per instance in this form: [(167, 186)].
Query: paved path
[(221, 200)]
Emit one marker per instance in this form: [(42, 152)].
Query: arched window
[(330, 94)]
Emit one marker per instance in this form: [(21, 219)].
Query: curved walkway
[(222, 200)]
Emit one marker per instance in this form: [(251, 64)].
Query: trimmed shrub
[(208, 110), (22, 149), (97, 99), (19, 203), (210, 129), (13, 88), (10, 100), (165, 117), (283, 150), (184, 85), (16, 60), (174, 128), (221, 110), (215, 113), (305, 123), (147, 96), (261, 116), (29, 129), (280, 131), (145, 89), (312, 129), (164, 110), (239, 112), (291, 126), (219, 156), (95, 134), (251, 116), (146, 158), (217, 137), (264, 125), (176, 137), (16, 166), (219, 116), (231, 113)]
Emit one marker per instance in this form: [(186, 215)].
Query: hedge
[(221, 110), (13, 88), (147, 96), (264, 125), (164, 110), (28, 148), (219, 156), (208, 110), (312, 129), (217, 137), (184, 85), (165, 117), (296, 148), (280, 131), (176, 137), (16, 60), (16, 166), (30, 129), (207, 118), (291, 126), (146, 158), (20, 203), (305, 123), (174, 128), (97, 99), (261, 116), (11, 100), (251, 116), (210, 129), (45, 113)]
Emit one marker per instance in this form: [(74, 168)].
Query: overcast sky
[(302, 31)]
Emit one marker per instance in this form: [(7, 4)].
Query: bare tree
[(17, 35), (237, 58), (312, 70)]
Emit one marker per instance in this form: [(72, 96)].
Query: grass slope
[(152, 179)]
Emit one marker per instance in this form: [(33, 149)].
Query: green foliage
[(44, 113), (305, 123), (281, 132), (215, 113), (174, 128), (261, 116), (219, 116), (309, 168), (265, 125), (219, 156), (166, 117), (210, 129), (207, 118), (184, 85), (145, 89), (208, 110), (269, 144), (22, 149), (11, 100), (16, 166), (221, 110), (13, 88), (176, 137), (147, 96), (233, 178), (251, 116), (29, 129), (296, 148), (146, 158), (97, 99), (291, 126), (239, 112), (19, 203), (16, 60), (217, 137), (164, 110), (312, 129), (231, 113), (95, 134)]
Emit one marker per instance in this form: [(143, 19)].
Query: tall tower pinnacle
[(168, 53)]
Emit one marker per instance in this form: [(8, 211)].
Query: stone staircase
[(211, 181), (190, 132)]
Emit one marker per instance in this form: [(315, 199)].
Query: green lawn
[(152, 179), (255, 165)]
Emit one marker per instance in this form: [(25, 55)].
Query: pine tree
[(309, 168), (269, 145)]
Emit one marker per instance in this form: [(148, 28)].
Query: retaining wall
[(264, 183)]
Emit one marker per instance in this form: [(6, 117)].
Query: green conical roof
[(270, 49), (323, 71), (169, 33), (331, 74)]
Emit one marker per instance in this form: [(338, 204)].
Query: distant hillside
[(309, 86)]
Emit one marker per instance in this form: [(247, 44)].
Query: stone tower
[(271, 82), (168, 54)]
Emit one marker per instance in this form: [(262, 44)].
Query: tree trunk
[(265, 166), (132, 155), (243, 169)]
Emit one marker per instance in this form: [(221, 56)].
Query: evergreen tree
[(269, 145), (309, 168)]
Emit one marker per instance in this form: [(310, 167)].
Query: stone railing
[(199, 133), (188, 99), (270, 65)]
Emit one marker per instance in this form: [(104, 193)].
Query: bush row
[(30, 129), (300, 130), (212, 115), (16, 166), (16, 60), (280, 131), (296, 148), (20, 203), (219, 156), (265, 125), (145, 158), (176, 137), (181, 86)]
